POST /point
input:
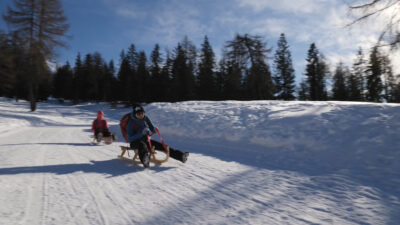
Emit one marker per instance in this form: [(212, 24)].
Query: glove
[(146, 131), (155, 130)]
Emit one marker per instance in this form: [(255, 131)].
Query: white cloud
[(303, 21), (298, 6)]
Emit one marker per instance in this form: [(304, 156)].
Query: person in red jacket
[(100, 127)]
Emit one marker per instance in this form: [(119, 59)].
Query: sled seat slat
[(125, 149)]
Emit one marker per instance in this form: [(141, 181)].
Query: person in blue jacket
[(139, 126)]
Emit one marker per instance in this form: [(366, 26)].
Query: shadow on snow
[(112, 167)]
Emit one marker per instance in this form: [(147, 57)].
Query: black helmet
[(137, 109)]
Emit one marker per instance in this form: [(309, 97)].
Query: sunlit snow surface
[(255, 162)]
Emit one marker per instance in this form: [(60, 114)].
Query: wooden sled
[(136, 159), (105, 140)]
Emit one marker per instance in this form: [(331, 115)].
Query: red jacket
[(100, 125)]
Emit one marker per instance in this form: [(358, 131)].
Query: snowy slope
[(257, 162)]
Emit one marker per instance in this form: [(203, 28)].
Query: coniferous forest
[(248, 69)]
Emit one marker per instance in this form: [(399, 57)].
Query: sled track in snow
[(92, 201)]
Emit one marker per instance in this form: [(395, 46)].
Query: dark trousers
[(142, 145), (106, 133)]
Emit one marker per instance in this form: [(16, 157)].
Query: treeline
[(186, 73), (247, 70)]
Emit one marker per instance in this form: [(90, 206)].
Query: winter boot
[(146, 160), (144, 157), (99, 137), (185, 155)]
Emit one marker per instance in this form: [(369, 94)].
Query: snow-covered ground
[(256, 162)]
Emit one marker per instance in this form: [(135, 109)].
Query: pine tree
[(63, 82), (19, 57), (125, 80), (41, 25), (183, 81), (133, 57), (374, 73), (205, 78), (283, 69), (303, 91), (165, 79), (258, 79), (388, 79), (233, 81), (155, 74), (248, 75), (78, 78), (143, 84), (7, 73), (316, 72), (396, 92), (339, 83), (220, 80), (110, 82), (179, 71), (356, 81), (89, 79), (189, 79), (98, 76)]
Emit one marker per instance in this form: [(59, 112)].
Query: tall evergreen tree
[(19, 57), (247, 68), (258, 80), (190, 52), (183, 81), (356, 81), (89, 80), (98, 76), (125, 80), (165, 79), (7, 73), (233, 80), (63, 82), (284, 76), (316, 72), (374, 73), (41, 25), (303, 91), (78, 79), (220, 80), (133, 57), (339, 83), (206, 77), (155, 73), (143, 84), (388, 79), (396, 92), (110, 82)]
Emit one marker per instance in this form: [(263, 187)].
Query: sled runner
[(135, 158)]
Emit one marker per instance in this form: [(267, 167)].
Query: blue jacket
[(136, 126)]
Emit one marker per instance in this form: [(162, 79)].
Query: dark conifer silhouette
[(316, 72), (41, 27), (284, 76)]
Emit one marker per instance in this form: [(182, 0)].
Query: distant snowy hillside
[(253, 162)]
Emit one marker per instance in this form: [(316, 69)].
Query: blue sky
[(109, 26)]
